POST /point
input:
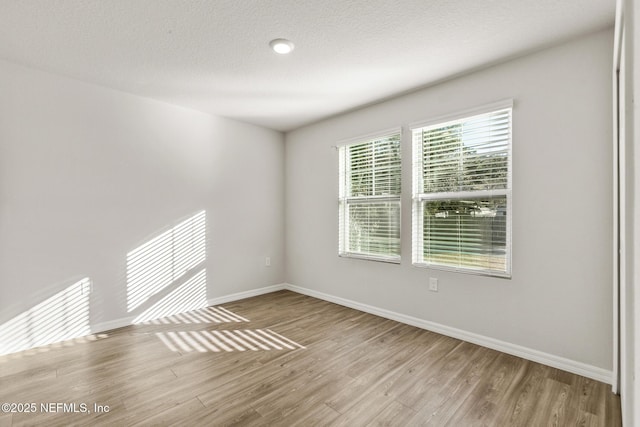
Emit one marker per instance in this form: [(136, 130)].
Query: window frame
[(344, 200), (419, 196)]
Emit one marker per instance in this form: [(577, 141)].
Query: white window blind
[(462, 194), (369, 202)]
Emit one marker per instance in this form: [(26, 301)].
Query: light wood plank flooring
[(285, 359)]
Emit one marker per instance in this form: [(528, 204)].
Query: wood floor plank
[(394, 414), (456, 378), (171, 416), (310, 363), (5, 420), (552, 405), (363, 411), (224, 416), (480, 407), (612, 414), (521, 404), (417, 382), (383, 368), (298, 399), (319, 415)]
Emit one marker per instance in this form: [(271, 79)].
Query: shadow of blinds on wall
[(160, 262)]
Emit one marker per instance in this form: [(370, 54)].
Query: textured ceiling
[(213, 55)]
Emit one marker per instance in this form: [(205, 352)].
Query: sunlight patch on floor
[(204, 315), (226, 340)]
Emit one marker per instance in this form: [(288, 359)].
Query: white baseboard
[(558, 362), (246, 294), (126, 321), (111, 324), (554, 361)]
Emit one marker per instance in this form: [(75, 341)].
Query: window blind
[(370, 187), (462, 193)]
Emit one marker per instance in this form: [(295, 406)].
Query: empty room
[(281, 213)]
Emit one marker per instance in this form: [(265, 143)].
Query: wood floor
[(284, 359)]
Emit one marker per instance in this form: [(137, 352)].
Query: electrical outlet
[(433, 284), (267, 261)]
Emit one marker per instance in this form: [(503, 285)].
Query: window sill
[(498, 274), (389, 260)]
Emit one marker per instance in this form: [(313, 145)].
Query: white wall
[(634, 398), (559, 300), (87, 174), (630, 160)]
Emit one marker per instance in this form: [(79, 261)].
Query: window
[(370, 198), (462, 193)]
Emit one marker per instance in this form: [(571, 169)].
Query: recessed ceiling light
[(281, 46)]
